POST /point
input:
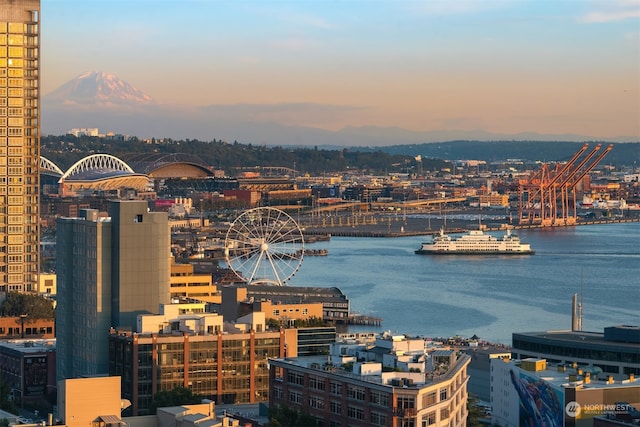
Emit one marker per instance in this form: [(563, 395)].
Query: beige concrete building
[(19, 144), (109, 270), (47, 283), (389, 384), (97, 402), (186, 284), (82, 401), (494, 200), (289, 312)]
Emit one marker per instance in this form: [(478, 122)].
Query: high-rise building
[(19, 144), (109, 271)]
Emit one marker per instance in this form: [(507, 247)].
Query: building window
[(406, 402), (316, 383), (429, 419), (295, 378), (378, 419), (277, 392), (444, 413), (336, 407), (316, 402), (355, 392), (355, 413), (295, 397), (378, 398), (336, 388), (443, 394)]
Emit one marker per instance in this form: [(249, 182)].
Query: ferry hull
[(423, 252)]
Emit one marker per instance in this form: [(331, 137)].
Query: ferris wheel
[(264, 245)]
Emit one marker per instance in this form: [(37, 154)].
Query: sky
[(506, 66)]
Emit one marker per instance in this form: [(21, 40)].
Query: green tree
[(6, 403), (474, 412), (283, 416), (176, 397), (33, 306)]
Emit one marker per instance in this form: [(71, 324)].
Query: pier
[(361, 319), (413, 227)]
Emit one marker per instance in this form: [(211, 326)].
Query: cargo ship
[(475, 242)]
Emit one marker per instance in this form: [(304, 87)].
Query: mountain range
[(102, 100)]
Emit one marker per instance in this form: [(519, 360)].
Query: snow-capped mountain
[(95, 87)]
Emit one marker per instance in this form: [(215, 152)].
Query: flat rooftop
[(578, 337), (30, 345), (561, 379)]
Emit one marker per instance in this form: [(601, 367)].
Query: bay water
[(489, 296)]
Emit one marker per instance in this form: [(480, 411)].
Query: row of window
[(291, 310), (568, 351), (28, 331), (16, 28), (17, 62)]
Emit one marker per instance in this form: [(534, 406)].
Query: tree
[(474, 412), (176, 397), (283, 416), (6, 403), (33, 306)]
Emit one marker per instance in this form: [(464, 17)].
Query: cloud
[(613, 11)]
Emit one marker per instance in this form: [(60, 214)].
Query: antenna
[(581, 299)]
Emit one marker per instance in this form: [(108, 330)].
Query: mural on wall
[(540, 404)]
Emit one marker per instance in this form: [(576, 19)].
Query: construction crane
[(545, 196)]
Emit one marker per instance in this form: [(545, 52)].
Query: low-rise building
[(534, 392), (335, 305), (28, 367), (480, 369), (47, 284), (96, 401), (185, 284), (616, 351), (389, 383), (21, 327), (288, 312), (221, 361)]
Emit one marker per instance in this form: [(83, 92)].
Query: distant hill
[(622, 154), (104, 101)]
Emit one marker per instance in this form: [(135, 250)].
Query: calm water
[(488, 296)]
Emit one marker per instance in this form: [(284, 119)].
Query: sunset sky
[(508, 66)]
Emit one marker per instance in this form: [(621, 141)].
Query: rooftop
[(578, 337), (560, 376), (30, 345)]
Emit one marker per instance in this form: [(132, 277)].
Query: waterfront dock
[(415, 227), (363, 320)]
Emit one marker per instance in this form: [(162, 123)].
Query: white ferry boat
[(475, 242)]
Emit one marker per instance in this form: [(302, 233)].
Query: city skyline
[(499, 66)]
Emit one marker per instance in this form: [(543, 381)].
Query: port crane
[(548, 196)]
